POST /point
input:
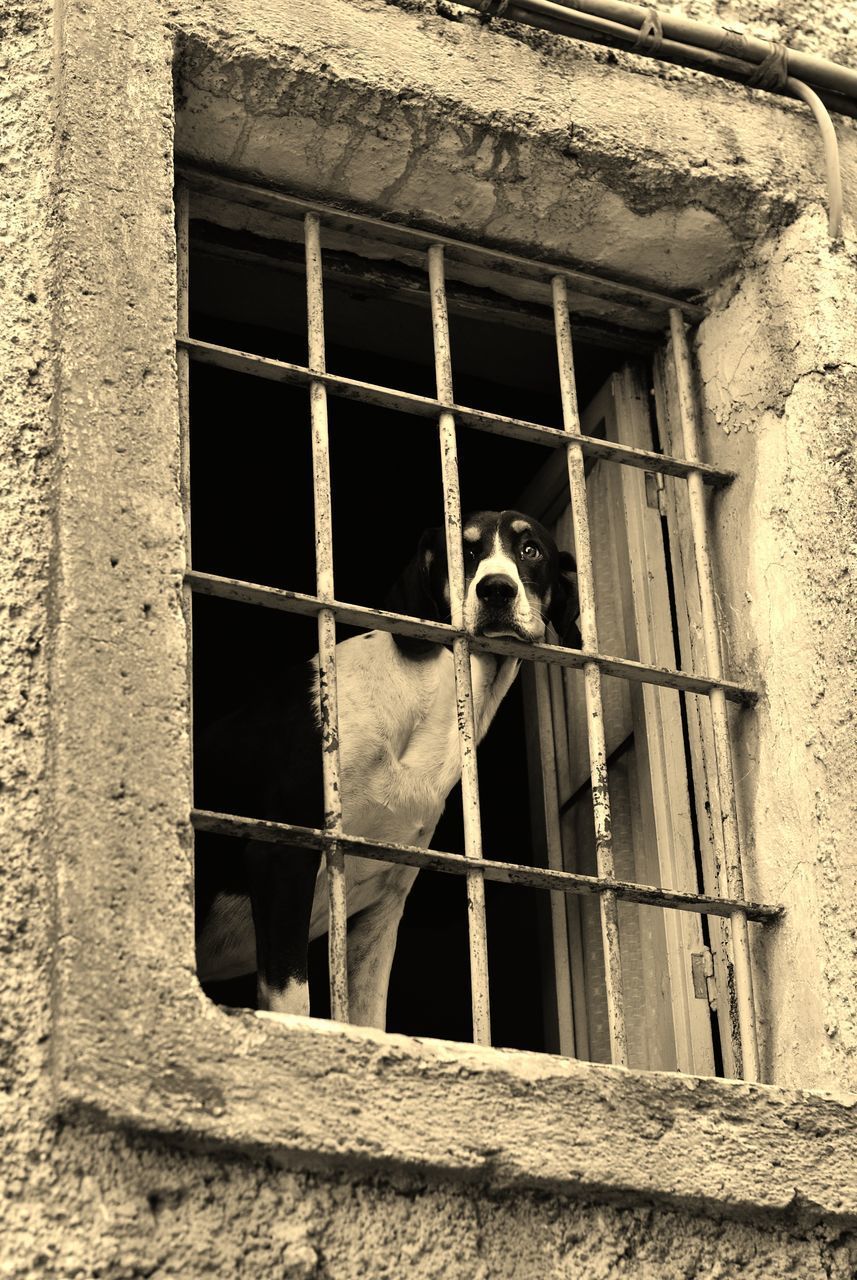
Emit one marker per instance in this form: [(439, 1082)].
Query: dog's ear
[(422, 589), (565, 605)]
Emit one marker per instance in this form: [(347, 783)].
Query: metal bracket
[(702, 969), (655, 492)]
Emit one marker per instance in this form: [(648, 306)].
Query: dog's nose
[(496, 588)]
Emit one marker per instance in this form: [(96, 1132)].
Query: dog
[(259, 904)]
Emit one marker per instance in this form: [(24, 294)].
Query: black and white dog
[(258, 905)]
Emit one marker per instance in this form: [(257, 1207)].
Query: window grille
[(435, 252)]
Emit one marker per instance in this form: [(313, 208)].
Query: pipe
[(831, 153), (559, 17), (762, 65), (703, 35)]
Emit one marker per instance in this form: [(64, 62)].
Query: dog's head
[(516, 581)]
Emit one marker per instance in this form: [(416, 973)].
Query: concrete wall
[(778, 370), (693, 183)]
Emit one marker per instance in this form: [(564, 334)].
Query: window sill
[(317, 1094)]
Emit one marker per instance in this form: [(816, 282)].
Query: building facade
[(147, 1132)]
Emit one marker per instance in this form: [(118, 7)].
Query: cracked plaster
[(528, 146)]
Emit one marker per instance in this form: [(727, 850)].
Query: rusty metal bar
[(284, 833), (592, 679), (460, 653), (211, 584), (548, 744), (719, 720), (327, 685), (424, 407), (278, 202), (183, 372)]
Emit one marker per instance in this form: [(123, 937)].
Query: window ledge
[(318, 1094)]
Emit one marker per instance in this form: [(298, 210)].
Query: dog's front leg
[(282, 885), (372, 935), (504, 677)]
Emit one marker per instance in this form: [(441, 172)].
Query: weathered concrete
[(778, 366), (120, 1208), (106, 1034), (26, 503), (533, 143)]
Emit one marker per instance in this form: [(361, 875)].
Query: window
[(613, 894)]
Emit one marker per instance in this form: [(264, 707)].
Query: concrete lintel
[(541, 146)]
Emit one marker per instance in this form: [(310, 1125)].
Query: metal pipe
[(703, 35), (285, 834), (327, 689), (831, 154), (720, 725), (584, 22), (461, 653), (592, 679)]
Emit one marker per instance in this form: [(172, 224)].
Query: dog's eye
[(530, 551), (470, 555)]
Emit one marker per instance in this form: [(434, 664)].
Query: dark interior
[(252, 518)]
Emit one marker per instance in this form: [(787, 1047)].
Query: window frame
[(330, 838), (134, 1044)]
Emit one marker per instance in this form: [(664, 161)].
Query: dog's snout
[(496, 588)]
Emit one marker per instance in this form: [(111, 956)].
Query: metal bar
[(592, 679), (548, 744), (182, 355), (425, 407), (279, 202), (608, 323), (183, 379), (490, 869), (461, 654), (212, 584), (327, 686), (720, 725), (557, 684)]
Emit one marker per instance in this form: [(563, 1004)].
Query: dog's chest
[(398, 736), (399, 753)]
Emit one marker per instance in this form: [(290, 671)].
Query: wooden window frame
[(632, 507)]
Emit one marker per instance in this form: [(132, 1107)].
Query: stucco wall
[(120, 1209), (88, 383), (26, 466), (778, 368)]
